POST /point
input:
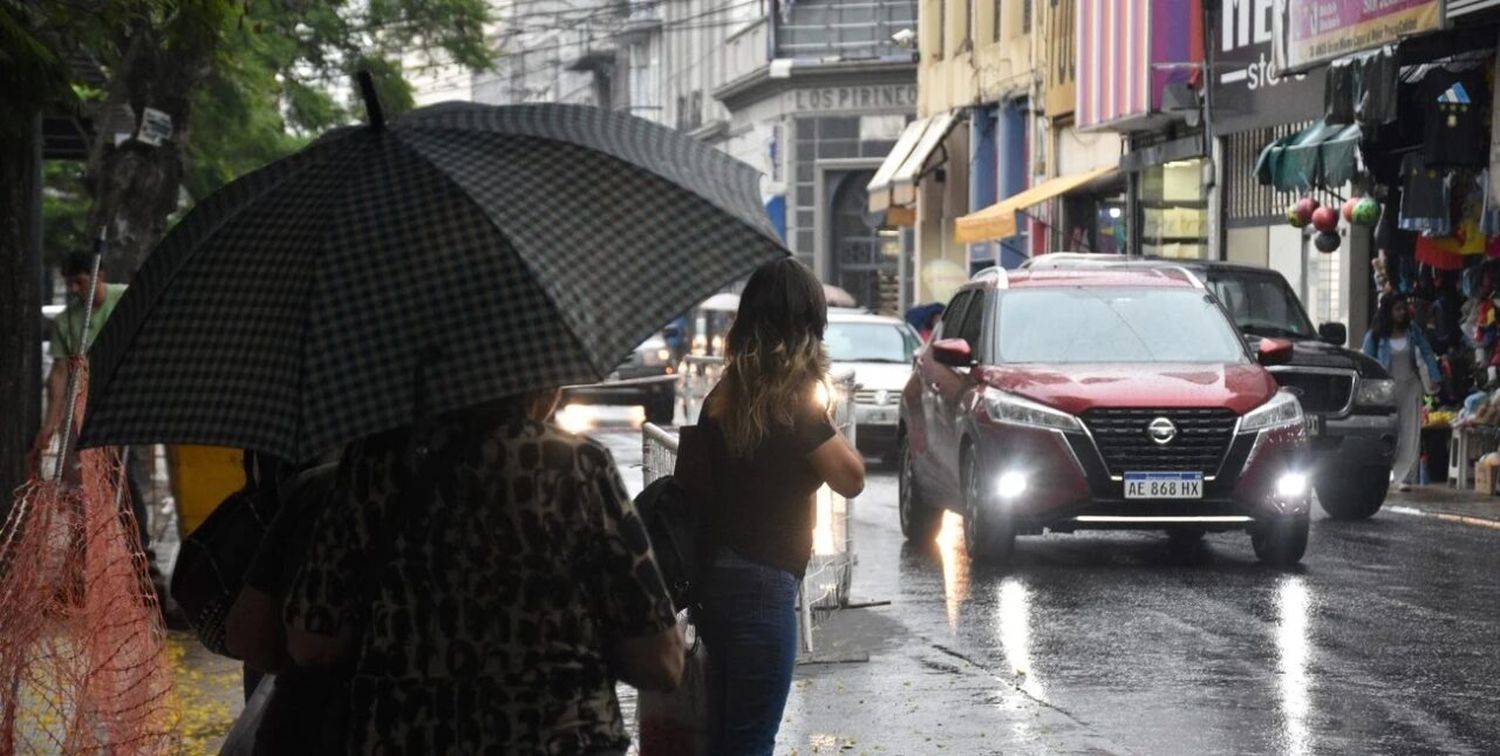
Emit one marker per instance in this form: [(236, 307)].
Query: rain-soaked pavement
[(1385, 640)]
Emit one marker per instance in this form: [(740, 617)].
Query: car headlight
[(1281, 411), (1013, 410), (1375, 392)]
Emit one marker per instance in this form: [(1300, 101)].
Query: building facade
[(973, 143)]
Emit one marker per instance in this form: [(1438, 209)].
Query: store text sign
[(887, 96), (1316, 31)]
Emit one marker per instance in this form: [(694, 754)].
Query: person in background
[(68, 341), (1399, 345), (770, 444), (488, 580)]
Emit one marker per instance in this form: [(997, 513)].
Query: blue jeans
[(749, 626)]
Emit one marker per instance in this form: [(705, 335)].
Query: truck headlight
[(1281, 411), (1375, 392), (1010, 409)]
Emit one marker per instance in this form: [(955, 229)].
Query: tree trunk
[(136, 185), (20, 304)]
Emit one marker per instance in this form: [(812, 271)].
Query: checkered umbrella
[(458, 254)]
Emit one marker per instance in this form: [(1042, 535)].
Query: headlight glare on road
[(1007, 408), (1375, 392), (1011, 485), (1291, 485), (1283, 410)]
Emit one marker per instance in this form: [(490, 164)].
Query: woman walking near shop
[(1399, 345), (770, 445)]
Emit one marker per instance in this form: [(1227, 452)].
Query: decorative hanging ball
[(1327, 241), (1325, 219), (1294, 216), (1348, 210), (1366, 212), (1305, 208)]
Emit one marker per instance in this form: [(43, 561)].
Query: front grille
[(1319, 392), (1203, 437), (864, 396)]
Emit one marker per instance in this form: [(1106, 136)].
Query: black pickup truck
[(1347, 397)]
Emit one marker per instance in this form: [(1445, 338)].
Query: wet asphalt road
[(1385, 640)]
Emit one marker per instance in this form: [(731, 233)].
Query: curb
[(1481, 522)]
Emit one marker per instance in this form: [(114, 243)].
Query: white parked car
[(879, 350)]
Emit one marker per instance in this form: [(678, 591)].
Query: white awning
[(896, 181)]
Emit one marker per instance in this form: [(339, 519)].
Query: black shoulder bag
[(673, 511)]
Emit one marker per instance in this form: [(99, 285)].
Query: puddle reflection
[(1015, 635), (955, 560), (1294, 647)]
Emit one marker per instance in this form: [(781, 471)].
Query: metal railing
[(830, 573)]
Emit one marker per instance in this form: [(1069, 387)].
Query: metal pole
[(83, 349)]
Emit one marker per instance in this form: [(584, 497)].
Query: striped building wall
[(1128, 52)]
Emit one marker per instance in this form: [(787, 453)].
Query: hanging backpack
[(673, 512)]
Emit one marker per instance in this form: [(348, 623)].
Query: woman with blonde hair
[(770, 445)]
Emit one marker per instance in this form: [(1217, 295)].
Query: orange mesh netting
[(83, 664)]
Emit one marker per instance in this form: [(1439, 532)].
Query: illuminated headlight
[(1013, 410), (1283, 410), (1291, 486), (1011, 485), (1375, 392)]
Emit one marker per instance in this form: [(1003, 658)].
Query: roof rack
[(1086, 261), (993, 273)]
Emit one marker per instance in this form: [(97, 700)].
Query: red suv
[(1100, 399)]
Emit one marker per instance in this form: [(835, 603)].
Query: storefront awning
[(999, 220), (1323, 154), (895, 184)]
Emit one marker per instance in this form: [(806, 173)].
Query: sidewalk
[(1466, 507)]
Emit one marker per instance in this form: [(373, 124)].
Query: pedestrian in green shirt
[(68, 339)]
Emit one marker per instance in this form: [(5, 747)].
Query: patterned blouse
[(501, 593)]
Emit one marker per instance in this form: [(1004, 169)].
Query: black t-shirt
[(1453, 107), (1425, 204), (763, 507)]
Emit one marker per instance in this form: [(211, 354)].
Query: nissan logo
[(1161, 431)]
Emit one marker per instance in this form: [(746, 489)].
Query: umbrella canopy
[(458, 254)]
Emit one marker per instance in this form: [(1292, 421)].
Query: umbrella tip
[(374, 114)]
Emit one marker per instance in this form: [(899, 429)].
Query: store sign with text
[(1249, 89), (1309, 32), (855, 98)]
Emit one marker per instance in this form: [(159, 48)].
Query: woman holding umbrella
[(771, 445), (413, 291)]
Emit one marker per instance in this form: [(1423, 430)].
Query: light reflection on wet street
[(1385, 640)]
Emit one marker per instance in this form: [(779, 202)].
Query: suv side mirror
[(1274, 352), (953, 352), (1334, 333)]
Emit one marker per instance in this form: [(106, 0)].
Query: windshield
[(1262, 305), (1115, 324), (870, 342)]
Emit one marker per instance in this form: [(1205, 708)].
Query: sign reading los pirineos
[(1317, 31)]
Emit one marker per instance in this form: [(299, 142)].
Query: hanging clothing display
[(1453, 107), (1425, 199), (1447, 251)]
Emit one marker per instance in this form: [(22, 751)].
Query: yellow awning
[(999, 220)]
